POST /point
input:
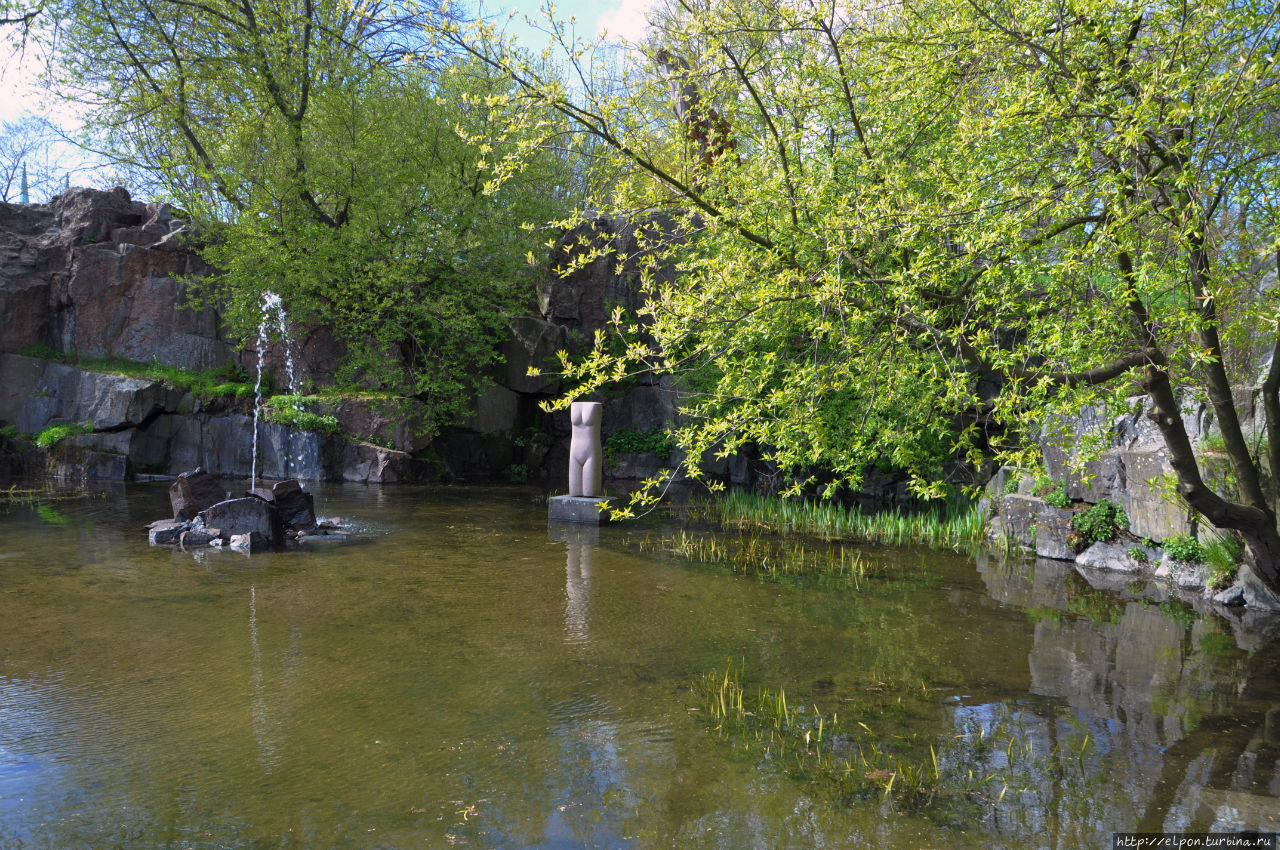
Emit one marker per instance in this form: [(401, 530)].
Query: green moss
[(228, 381)]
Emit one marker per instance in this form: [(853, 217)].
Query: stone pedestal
[(585, 509)]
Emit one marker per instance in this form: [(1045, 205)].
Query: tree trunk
[(1256, 525)]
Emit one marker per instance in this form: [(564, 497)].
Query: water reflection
[(263, 731), (579, 541), (469, 675), (1176, 710)]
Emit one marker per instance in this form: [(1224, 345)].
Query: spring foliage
[(320, 147), (919, 230)]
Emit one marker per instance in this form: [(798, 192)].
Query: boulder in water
[(193, 492), (251, 542), (166, 531), (296, 506), (243, 516)]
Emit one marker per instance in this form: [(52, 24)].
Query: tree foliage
[(932, 225), (319, 147)]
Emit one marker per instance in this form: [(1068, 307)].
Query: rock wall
[(95, 275), (1133, 472), (143, 427)]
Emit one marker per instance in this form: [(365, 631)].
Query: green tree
[(317, 145), (1070, 199)]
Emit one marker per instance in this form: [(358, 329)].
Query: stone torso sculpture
[(586, 459)]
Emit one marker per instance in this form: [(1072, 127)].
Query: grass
[(958, 526), (229, 382), (1222, 555)]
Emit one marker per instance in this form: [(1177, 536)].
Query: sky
[(622, 19)]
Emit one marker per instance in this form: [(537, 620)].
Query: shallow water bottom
[(462, 674)]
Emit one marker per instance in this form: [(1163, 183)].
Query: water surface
[(461, 675)]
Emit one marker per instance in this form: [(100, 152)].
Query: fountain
[(204, 514), (272, 308)]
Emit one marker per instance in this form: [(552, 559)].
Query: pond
[(459, 674)]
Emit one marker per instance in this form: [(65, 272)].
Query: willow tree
[(317, 145), (950, 212)]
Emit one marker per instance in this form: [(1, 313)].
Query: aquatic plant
[(845, 760), (957, 526), (754, 554)]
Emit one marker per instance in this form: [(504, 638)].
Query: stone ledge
[(583, 509)]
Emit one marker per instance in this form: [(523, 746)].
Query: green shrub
[(1138, 554), (659, 440), (1053, 493), (1011, 483), (1100, 523), (1183, 547), (55, 434), (1058, 497)]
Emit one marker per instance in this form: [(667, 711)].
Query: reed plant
[(34, 496), (959, 525)]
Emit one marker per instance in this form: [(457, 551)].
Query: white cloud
[(627, 21)]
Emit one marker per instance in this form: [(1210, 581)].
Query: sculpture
[(586, 459)]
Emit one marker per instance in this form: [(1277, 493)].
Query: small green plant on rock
[(1058, 497), (1052, 492), (1100, 523), (1183, 547), (55, 434), (287, 410)]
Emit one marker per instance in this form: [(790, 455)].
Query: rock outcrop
[(96, 275)]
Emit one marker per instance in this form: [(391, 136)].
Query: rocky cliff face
[(96, 275)]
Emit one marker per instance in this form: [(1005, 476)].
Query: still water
[(460, 675)]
